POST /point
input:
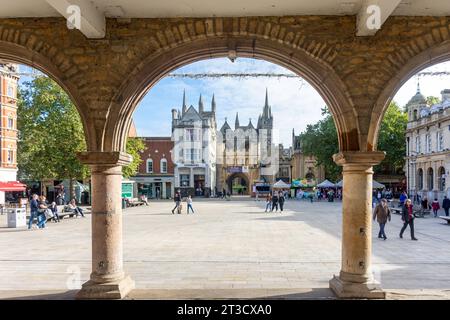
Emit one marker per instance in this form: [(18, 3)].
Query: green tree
[(391, 138), (431, 100), (320, 140), (50, 133), (135, 146)]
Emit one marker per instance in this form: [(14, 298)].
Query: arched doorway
[(238, 184)]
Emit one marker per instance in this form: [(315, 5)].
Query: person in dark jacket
[(446, 205), (408, 219), (177, 200), (281, 200), (275, 202), (34, 207), (382, 213)]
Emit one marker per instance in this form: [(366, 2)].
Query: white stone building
[(428, 147), (194, 153)]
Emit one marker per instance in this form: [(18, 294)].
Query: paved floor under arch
[(226, 249)]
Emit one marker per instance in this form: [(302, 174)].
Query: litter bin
[(17, 217)]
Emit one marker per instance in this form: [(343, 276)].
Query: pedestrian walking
[(34, 207), (403, 198), (446, 205), (382, 213), (408, 219), (281, 200), (274, 202), (269, 202), (177, 200), (435, 206), (189, 204), (42, 219)]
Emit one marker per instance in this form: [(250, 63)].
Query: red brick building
[(8, 124), (156, 172)]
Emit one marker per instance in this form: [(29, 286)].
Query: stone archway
[(240, 179), (316, 71)]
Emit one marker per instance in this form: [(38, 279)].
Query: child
[(189, 204), (435, 205)]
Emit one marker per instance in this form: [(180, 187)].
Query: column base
[(354, 290), (109, 290)]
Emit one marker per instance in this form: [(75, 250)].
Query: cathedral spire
[(236, 122), (266, 106), (418, 85), (184, 108), (213, 104), (200, 104)]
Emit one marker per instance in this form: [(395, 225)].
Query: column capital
[(102, 158), (363, 158)]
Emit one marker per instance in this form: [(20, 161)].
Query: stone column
[(164, 190), (355, 279), (191, 178), (107, 280)]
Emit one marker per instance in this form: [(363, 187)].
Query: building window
[(163, 166), (418, 146), (430, 180), (192, 134), (192, 155), (420, 179), (184, 180), (415, 115), (10, 123), (440, 141), (149, 166), (428, 143), (441, 178), (10, 91), (10, 156)]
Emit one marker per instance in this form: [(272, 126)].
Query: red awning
[(12, 186)]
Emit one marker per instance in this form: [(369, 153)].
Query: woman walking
[(268, 202), (189, 204), (42, 219), (435, 206), (281, 199), (274, 202), (408, 219)]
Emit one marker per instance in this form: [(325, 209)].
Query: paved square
[(224, 245)]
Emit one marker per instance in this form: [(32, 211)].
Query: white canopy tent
[(280, 184), (326, 184)]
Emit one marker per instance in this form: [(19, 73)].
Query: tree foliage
[(320, 140), (135, 146), (431, 100), (50, 133), (391, 138)]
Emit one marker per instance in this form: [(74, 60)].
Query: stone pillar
[(191, 178), (107, 280), (164, 190), (356, 279)]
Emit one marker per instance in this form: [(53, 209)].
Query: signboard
[(234, 170), (127, 190)]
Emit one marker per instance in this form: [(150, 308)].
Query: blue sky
[(295, 103)]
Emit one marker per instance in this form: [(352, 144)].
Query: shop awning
[(12, 186)]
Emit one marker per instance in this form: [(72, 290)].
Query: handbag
[(48, 214)]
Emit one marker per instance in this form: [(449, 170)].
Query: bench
[(133, 202), (445, 218), (63, 210)]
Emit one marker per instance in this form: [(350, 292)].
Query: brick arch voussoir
[(23, 47), (421, 52)]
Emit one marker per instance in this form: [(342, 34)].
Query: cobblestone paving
[(225, 245)]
